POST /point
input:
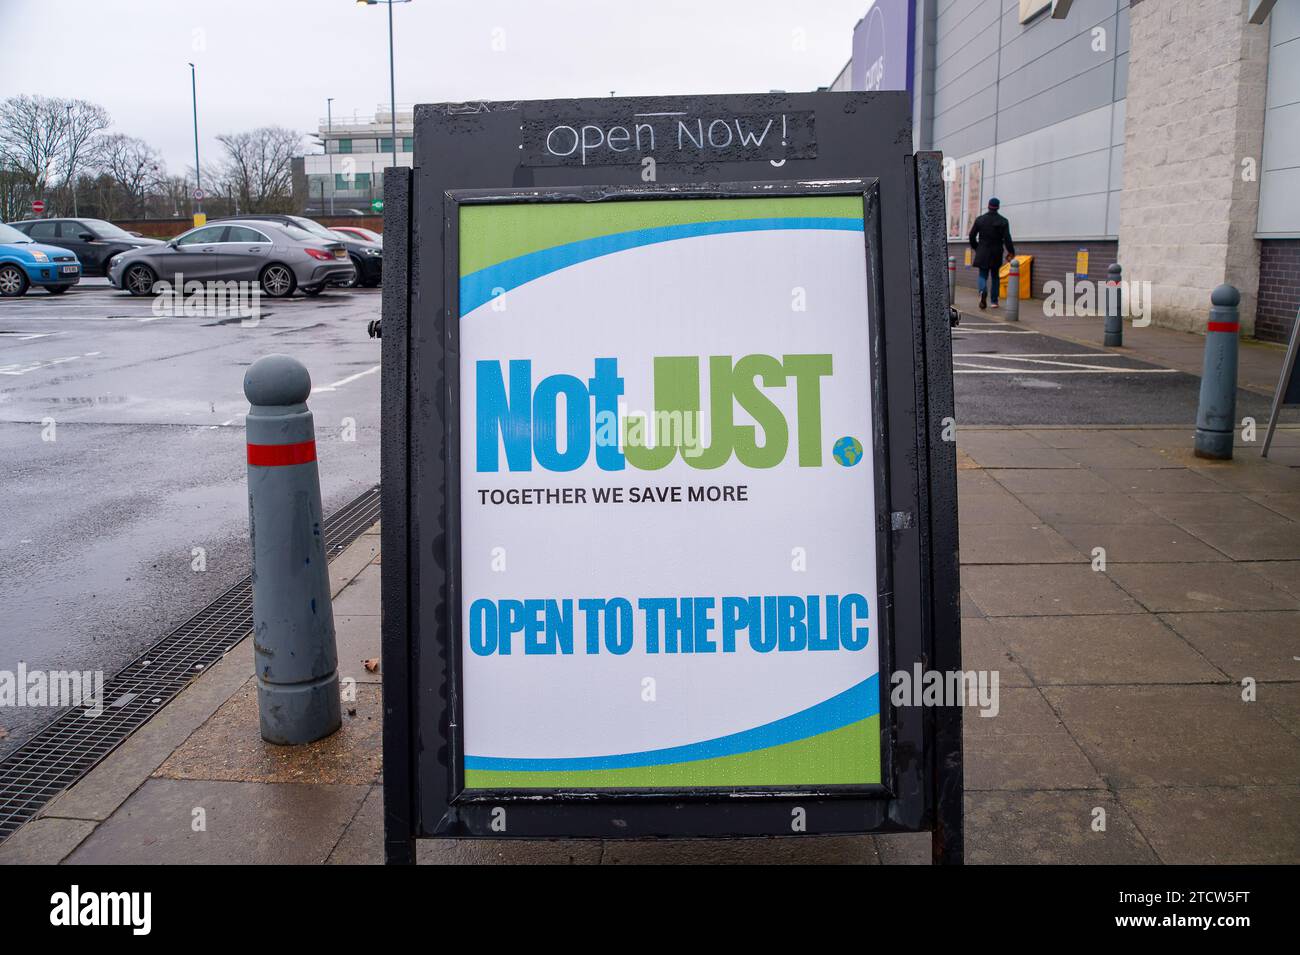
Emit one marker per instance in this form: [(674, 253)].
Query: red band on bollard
[(278, 455), (1222, 327)]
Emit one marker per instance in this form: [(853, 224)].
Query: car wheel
[(356, 279), (278, 281), (313, 291), (139, 280), (56, 289), (13, 281)]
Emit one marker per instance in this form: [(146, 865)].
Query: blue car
[(24, 263)]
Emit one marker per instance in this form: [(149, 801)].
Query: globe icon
[(847, 451)]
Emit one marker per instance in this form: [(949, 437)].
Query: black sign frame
[(468, 151)]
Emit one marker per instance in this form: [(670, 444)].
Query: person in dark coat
[(988, 236)]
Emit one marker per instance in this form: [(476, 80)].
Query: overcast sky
[(274, 62)]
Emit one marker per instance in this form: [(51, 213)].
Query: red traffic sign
[(38, 206)]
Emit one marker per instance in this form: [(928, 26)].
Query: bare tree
[(31, 140), (83, 124), (133, 166), (258, 167)]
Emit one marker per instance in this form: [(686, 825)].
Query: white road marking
[(343, 381), (991, 331), (22, 368)]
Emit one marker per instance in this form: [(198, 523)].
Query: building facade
[(348, 174), (1164, 134)]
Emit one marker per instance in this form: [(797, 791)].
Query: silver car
[(281, 258)]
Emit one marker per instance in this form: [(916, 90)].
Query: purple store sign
[(882, 47)]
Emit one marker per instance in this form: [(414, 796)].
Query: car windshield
[(106, 230), (10, 236), (315, 228)]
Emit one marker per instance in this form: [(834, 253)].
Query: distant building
[(1155, 132), (349, 174)]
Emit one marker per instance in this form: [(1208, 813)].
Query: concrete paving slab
[(361, 596), (44, 841), (969, 609), (1107, 507), (1008, 543), (905, 848), (995, 457), (1025, 746), (1037, 589), (1276, 540), (982, 649), (1241, 825), (1172, 588), (357, 639), (1196, 507), (1287, 504), (1283, 574), (1158, 480), (1138, 543), (783, 850), (363, 844), (230, 747), (999, 507), (1084, 438), (286, 823), (983, 439), (1282, 702), (1021, 481), (1122, 457), (1101, 649), (1257, 475), (1178, 736), (1258, 644), (1036, 828), (354, 559), (977, 482)]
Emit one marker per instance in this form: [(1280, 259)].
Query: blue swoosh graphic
[(477, 287), (856, 703)]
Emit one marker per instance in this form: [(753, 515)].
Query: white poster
[(668, 520)]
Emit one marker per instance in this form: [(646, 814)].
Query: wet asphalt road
[(147, 463), (1007, 375)]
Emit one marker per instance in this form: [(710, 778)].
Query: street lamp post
[(329, 127), (392, 81), (198, 184)]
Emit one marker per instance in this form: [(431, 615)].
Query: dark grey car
[(281, 258)]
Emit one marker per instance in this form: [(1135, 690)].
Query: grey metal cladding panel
[(1284, 22), (1121, 77), (1024, 44), (958, 55), (959, 20), (981, 106), (963, 142), (1089, 91), (1061, 178), (1122, 30), (979, 81), (1070, 59), (1284, 75)]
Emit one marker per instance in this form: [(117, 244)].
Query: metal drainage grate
[(66, 749)]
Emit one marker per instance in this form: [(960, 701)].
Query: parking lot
[(124, 485), (1006, 374)]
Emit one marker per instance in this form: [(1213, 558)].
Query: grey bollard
[(952, 280), (1216, 414), (293, 620), (1112, 302), (1013, 291)]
